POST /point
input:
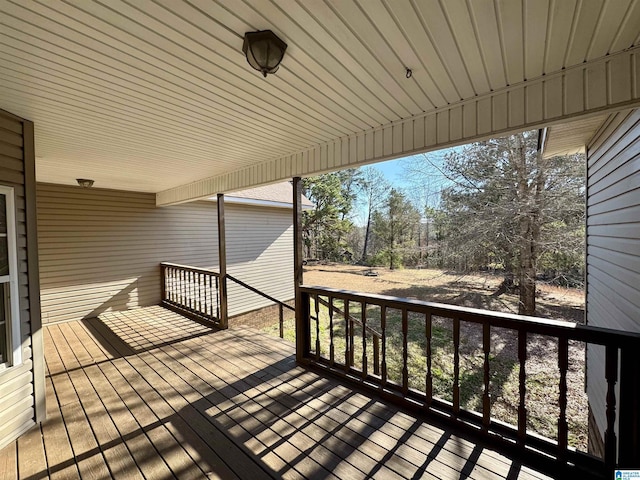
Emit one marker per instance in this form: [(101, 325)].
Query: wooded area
[(496, 205)]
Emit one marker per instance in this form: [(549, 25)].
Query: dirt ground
[(447, 287), (476, 291)]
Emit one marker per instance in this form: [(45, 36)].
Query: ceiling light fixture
[(264, 50), (84, 182)]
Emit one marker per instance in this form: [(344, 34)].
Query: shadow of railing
[(238, 403)]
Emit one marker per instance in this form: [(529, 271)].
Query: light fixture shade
[(264, 50), (84, 182)]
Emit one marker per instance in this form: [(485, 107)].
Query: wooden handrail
[(532, 325), (255, 290), (189, 268), (620, 345)]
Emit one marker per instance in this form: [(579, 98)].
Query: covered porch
[(148, 393)]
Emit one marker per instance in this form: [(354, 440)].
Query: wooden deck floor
[(149, 394)]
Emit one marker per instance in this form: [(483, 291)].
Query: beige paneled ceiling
[(150, 95)]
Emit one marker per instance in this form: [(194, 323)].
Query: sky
[(395, 172)]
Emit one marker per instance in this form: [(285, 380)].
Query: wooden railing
[(191, 291), (328, 332), (281, 305)]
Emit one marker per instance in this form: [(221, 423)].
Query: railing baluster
[(429, 379), (347, 352), (281, 319), (456, 365), (486, 396), (563, 364), (383, 327), (522, 378), (405, 351), (376, 354), (317, 309), (210, 298), (351, 341), (199, 276), (331, 346), (611, 375), (183, 280), (363, 317), (217, 299)]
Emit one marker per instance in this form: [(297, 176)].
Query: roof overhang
[(157, 96), (571, 137)]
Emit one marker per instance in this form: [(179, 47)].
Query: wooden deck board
[(150, 394)]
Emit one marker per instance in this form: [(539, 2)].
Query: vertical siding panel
[(418, 133), (368, 142), (469, 120), (378, 143), (331, 156), (500, 112), (534, 102), (516, 107), (574, 91), (387, 140), (407, 136), (455, 123), (619, 79), (553, 98), (360, 147), (485, 113), (442, 125), (596, 85), (397, 138), (431, 130)]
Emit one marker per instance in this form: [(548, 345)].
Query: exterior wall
[(613, 242), (22, 386), (100, 250), (260, 253)]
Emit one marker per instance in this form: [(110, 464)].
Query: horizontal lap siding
[(260, 253), (17, 402), (613, 241), (100, 250)]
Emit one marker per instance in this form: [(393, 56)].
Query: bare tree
[(374, 189)]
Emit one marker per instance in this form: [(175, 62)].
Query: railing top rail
[(557, 328), (255, 290), (190, 268)]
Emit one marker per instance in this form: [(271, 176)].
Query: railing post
[(222, 261), (163, 274), (302, 304), (629, 424)]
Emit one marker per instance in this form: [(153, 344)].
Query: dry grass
[(472, 291)]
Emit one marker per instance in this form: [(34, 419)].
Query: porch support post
[(222, 261), (301, 321)]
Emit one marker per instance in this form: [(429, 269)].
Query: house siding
[(260, 253), (100, 249), (613, 243), (22, 386)]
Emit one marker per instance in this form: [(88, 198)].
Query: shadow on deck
[(149, 394)]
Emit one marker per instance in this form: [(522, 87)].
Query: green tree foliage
[(509, 206), (395, 227), (326, 227)]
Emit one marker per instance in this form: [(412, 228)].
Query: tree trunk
[(366, 238)]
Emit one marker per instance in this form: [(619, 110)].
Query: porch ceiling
[(157, 96)]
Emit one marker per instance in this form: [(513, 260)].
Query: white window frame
[(13, 324)]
